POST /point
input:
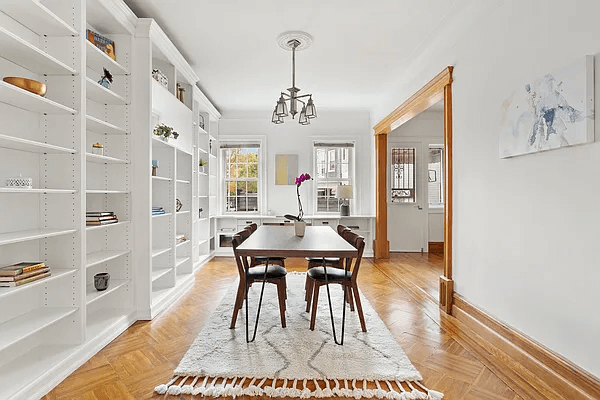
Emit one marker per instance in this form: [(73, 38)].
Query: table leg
[(262, 290), (341, 342)]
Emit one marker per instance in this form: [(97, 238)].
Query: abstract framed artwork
[(553, 111), (286, 169)]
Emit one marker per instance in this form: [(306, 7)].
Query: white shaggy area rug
[(295, 361)]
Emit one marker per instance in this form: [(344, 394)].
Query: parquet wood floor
[(403, 290)]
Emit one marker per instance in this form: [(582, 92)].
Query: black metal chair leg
[(262, 290), (341, 342)]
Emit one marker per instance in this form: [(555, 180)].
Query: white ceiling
[(358, 47)]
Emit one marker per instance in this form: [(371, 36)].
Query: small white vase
[(300, 227)]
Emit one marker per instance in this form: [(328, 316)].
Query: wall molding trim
[(549, 375), (435, 247)]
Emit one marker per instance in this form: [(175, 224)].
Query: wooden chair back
[(358, 242), (253, 227), (341, 229), (237, 240)]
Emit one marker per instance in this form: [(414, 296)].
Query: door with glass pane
[(407, 221), (334, 166)]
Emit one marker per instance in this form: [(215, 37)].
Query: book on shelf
[(98, 213), (25, 275), (21, 268), (24, 281), (105, 222), (106, 218)]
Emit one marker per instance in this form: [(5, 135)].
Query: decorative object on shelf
[(30, 85), (103, 43), (200, 212), (294, 41), (157, 211), (101, 281), (154, 167), (210, 146), (180, 239), (19, 182), (180, 93), (165, 132), (160, 78), (201, 121), (178, 205), (106, 79), (202, 163), (98, 149), (344, 192), (299, 223)]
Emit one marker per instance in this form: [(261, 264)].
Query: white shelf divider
[(103, 256), (96, 57), (97, 125), (37, 18), (159, 273), (30, 57), (106, 191), (96, 158), (102, 95), (21, 98), (29, 323), (31, 146), (98, 227), (181, 260), (160, 178), (92, 295), (37, 191), (162, 215), (158, 252), (32, 234)]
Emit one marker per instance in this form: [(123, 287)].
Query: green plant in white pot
[(202, 163), (165, 132)]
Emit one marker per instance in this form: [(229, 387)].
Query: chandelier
[(294, 41)]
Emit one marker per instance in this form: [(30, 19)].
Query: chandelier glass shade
[(293, 41)]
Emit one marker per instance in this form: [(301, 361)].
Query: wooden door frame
[(435, 90)]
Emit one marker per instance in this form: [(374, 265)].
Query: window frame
[(222, 180), (351, 145)]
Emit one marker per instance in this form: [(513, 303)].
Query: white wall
[(526, 229), (293, 138)]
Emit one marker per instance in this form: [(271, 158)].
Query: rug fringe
[(235, 386)]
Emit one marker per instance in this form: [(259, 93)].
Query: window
[(435, 176), (241, 176), (333, 166), (403, 175)]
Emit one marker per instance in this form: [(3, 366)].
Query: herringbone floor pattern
[(401, 289)]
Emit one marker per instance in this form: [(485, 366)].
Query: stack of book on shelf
[(93, 218), (179, 239), (22, 273), (157, 211)]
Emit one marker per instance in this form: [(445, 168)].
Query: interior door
[(407, 219)]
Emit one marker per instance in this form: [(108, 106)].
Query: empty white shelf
[(96, 57), (159, 273), (55, 274), (21, 98), (29, 323), (31, 146), (97, 227), (162, 215), (106, 191), (38, 191), (96, 158), (179, 261), (182, 181), (158, 252), (30, 57), (100, 257), (97, 125), (201, 242), (37, 17), (102, 95), (182, 243), (32, 234), (103, 320), (159, 294), (183, 212), (160, 178), (92, 295)]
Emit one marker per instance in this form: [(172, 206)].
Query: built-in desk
[(228, 225)]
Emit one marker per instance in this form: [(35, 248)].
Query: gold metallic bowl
[(28, 84)]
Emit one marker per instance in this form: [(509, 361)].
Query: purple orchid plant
[(299, 180)]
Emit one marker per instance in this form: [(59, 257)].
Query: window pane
[(435, 177), (403, 175), (231, 188), (253, 170), (241, 188), (253, 188)]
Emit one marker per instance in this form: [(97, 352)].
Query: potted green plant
[(202, 163), (165, 132)]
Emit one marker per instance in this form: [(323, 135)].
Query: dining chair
[(346, 277), (248, 275), (260, 260), (318, 262)]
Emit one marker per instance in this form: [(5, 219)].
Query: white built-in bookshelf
[(50, 327)]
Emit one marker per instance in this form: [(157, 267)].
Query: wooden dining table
[(281, 241)]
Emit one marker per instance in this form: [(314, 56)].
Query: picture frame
[(331, 160), (106, 45), (286, 169)]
